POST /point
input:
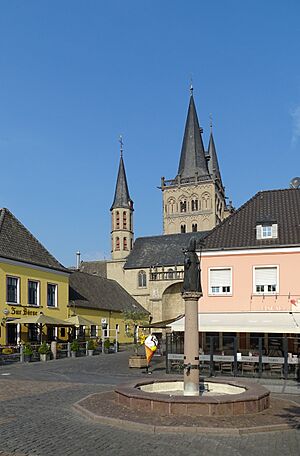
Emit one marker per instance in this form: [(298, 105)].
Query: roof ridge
[(3, 210), (227, 219)]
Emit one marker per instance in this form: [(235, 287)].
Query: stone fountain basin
[(144, 395)]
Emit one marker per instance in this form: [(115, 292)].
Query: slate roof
[(91, 291), (165, 250), (17, 243), (239, 229), (192, 158), (122, 198), (94, 267), (213, 164)]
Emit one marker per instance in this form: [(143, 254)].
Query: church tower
[(195, 199), (121, 215)]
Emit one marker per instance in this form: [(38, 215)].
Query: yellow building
[(32, 282), (104, 301)]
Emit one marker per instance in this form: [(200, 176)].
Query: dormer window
[(267, 231)]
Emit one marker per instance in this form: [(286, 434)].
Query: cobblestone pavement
[(36, 416)]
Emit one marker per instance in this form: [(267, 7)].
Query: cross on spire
[(121, 145)]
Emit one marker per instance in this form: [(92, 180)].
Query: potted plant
[(27, 352), (44, 351), (90, 347), (106, 345), (74, 348)]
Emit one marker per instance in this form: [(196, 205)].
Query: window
[(125, 246), (183, 228), (220, 281), (194, 205), (33, 293), (266, 279), (33, 333), (62, 332), (124, 221), (142, 279), (267, 231), (117, 220), (117, 328), (12, 290), (206, 201), (51, 295), (93, 331), (117, 243), (170, 274), (194, 227), (183, 206)]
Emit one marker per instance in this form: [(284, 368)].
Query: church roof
[(17, 243), (213, 164), (165, 250), (281, 207), (91, 291), (192, 158), (122, 198)]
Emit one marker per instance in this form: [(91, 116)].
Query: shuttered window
[(220, 281), (265, 279)]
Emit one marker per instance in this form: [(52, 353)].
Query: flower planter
[(27, 358), (44, 357), (138, 361), (90, 352), (73, 354)]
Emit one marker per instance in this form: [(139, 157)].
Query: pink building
[(251, 273)]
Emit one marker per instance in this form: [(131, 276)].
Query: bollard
[(54, 349)]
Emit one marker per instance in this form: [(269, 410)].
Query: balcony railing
[(166, 275)]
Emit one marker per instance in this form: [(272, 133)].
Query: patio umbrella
[(78, 320), (40, 320)]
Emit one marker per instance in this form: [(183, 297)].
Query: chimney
[(78, 260)]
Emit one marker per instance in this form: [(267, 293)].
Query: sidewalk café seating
[(248, 368), (226, 367), (276, 369)]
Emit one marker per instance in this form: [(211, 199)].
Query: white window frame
[(56, 293), (220, 293), (272, 231), (144, 279), (37, 292), (265, 292), (18, 289)]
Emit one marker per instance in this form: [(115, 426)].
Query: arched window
[(194, 205), (206, 201), (117, 220), (142, 279), (194, 227), (125, 247), (170, 274), (171, 206), (117, 243), (183, 206), (124, 220), (183, 228)]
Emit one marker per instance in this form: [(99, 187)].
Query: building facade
[(32, 282)]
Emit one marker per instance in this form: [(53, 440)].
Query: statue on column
[(191, 281)]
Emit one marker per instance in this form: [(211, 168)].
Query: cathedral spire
[(213, 164), (121, 198), (192, 158)]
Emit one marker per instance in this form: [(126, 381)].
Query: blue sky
[(74, 75)]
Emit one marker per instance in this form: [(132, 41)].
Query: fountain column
[(191, 343)]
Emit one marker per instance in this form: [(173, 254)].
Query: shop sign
[(24, 311)]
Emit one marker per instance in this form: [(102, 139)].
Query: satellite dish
[(295, 182)]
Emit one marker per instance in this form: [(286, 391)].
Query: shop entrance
[(11, 334)]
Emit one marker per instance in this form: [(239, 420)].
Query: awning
[(248, 322), (162, 324)]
